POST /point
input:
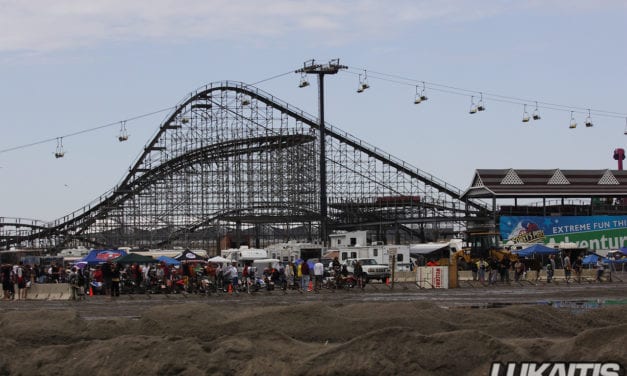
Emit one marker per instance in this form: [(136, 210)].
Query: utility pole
[(310, 67)]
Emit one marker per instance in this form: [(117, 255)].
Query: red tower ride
[(619, 155)]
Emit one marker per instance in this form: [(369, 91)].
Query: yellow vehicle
[(483, 245)]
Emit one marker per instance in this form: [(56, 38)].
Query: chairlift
[(480, 105), (589, 120), (536, 113), (573, 122), (473, 106), (303, 80), (420, 97), (525, 117), (123, 136), (363, 84), (59, 153), (423, 96)]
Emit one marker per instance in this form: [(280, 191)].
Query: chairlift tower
[(332, 67)]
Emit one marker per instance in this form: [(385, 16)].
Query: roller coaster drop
[(234, 160)]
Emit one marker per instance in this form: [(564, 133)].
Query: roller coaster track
[(169, 153)]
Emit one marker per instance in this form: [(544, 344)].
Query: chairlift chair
[(473, 106), (363, 84), (525, 117), (303, 81), (573, 122), (589, 120), (480, 105), (123, 136), (59, 153)]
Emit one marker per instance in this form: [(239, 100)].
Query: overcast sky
[(73, 65)]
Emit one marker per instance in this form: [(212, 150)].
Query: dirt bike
[(343, 282)]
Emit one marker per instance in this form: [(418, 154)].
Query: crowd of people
[(16, 279), (492, 269), (111, 278)]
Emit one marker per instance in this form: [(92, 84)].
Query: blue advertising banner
[(593, 232)]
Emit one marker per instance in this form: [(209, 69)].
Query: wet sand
[(376, 332)]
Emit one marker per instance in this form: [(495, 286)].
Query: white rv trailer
[(292, 251), (244, 253), (380, 253)]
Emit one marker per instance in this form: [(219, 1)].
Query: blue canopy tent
[(590, 259), (99, 256), (537, 249), (168, 260)]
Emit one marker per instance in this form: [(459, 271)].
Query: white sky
[(72, 65)]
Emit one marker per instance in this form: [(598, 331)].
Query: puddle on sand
[(584, 304), (575, 305)]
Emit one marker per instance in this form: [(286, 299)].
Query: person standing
[(505, 266), (20, 280), (567, 268), (318, 272), (106, 270), (28, 280), (481, 268), (600, 269), (578, 266), (519, 269), (233, 277), (6, 271), (115, 279), (475, 270), (358, 271), (337, 271), (289, 274), (74, 287), (550, 269), (304, 269)]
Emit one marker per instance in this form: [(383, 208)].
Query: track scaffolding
[(233, 164)]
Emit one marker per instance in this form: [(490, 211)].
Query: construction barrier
[(432, 277), (49, 291)]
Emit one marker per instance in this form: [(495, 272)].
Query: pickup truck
[(370, 268)]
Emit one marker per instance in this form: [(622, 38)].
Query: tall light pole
[(332, 67)]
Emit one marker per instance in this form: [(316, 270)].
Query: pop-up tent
[(537, 249), (218, 260), (135, 258), (99, 256), (417, 250), (168, 260), (590, 259), (189, 256)]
